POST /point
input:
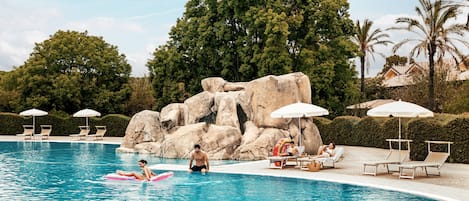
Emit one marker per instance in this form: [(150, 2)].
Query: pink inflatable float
[(159, 177)]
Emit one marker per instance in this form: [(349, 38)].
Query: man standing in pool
[(201, 160)]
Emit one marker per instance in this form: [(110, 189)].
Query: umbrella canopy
[(87, 113), (299, 110), (33, 112), (400, 109)]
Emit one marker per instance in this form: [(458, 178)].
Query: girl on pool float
[(146, 172)]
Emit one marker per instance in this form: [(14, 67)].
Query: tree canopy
[(71, 71), (436, 36), (242, 40), (367, 40)]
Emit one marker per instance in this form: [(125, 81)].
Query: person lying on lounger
[(146, 172), (326, 151)]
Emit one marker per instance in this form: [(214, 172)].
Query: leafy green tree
[(142, 97), (394, 60), (71, 71), (367, 40), (243, 40), (436, 36), (8, 92)]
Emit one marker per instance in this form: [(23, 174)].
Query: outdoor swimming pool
[(74, 171)]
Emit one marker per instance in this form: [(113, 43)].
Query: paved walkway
[(453, 184)]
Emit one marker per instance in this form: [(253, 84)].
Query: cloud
[(105, 24)]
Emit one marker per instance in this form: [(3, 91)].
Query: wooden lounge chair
[(84, 131), (27, 132), (100, 131), (433, 160), (392, 158), (45, 132)]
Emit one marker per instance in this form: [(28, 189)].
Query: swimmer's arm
[(190, 160), (147, 174), (206, 162)]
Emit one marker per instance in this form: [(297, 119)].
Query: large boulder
[(180, 143), (143, 127), (218, 141), (269, 93), (234, 86), (226, 112), (251, 133), (262, 147), (239, 107), (174, 114), (199, 106), (311, 137), (213, 84), (239, 97)]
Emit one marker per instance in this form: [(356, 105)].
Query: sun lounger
[(433, 160), (392, 158), (27, 132), (45, 132), (100, 131), (84, 131), (323, 161), (330, 161), (280, 160)]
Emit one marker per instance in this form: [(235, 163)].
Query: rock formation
[(229, 120)]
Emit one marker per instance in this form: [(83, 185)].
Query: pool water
[(74, 171)]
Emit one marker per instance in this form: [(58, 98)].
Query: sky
[(138, 27)]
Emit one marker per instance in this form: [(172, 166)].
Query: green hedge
[(372, 132), (11, 124)]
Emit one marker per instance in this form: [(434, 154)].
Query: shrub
[(372, 132), (11, 124)]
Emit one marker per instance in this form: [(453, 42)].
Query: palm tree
[(436, 36), (367, 40)]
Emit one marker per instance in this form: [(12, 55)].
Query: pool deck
[(453, 184)]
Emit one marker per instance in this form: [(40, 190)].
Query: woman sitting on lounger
[(146, 172), (326, 151), (292, 150)]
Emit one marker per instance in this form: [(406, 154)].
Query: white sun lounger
[(331, 161), (45, 132), (433, 160), (280, 159), (27, 132), (392, 158), (100, 131), (84, 131)]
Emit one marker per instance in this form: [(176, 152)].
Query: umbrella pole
[(400, 127), (299, 131), (86, 121), (34, 125)]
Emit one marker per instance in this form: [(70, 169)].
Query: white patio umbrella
[(299, 110), (400, 109), (87, 113), (33, 112)]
